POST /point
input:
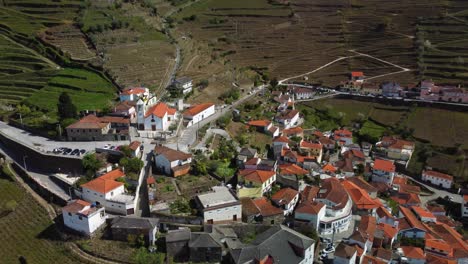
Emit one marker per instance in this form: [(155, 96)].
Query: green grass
[(28, 231), (87, 89), (372, 131)]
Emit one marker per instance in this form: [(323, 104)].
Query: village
[(308, 196)]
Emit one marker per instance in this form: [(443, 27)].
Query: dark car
[(75, 152), (82, 151), (67, 151)]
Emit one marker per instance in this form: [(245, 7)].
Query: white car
[(329, 249)]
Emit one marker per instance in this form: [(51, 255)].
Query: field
[(27, 231), (291, 39)]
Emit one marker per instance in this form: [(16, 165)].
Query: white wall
[(340, 260), (437, 181), (382, 176), (93, 196), (118, 207), (223, 214), (309, 255), (86, 225), (201, 116)]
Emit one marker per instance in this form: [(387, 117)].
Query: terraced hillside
[(285, 40)]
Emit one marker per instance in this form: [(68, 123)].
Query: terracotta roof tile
[(411, 218), (281, 139), (310, 145), (284, 196), (259, 123), (196, 109), (357, 74), (89, 122), (384, 165), (292, 169), (105, 183), (266, 208), (292, 131), (160, 110), (309, 193), (438, 244), (421, 212), (360, 197), (413, 252), (329, 168), (75, 206), (333, 191), (133, 90), (171, 154), (134, 145), (361, 183), (258, 176), (307, 207)]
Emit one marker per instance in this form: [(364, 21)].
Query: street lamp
[(24, 163)]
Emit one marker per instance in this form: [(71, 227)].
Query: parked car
[(67, 151), (75, 152), (82, 151), (325, 240), (329, 249)]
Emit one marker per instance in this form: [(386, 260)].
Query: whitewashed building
[(133, 94), (220, 206), (108, 192), (437, 178), (345, 254), (172, 162), (197, 113), (158, 117), (287, 199), (465, 206), (383, 171), (184, 83), (83, 217)]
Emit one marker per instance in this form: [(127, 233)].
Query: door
[(153, 127), (210, 221), (130, 211), (234, 217)]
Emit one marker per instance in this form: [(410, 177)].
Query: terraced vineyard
[(27, 232)]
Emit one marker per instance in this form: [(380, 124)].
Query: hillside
[(287, 38)]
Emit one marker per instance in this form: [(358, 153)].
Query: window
[(112, 193), (69, 214), (81, 218)]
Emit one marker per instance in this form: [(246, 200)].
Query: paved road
[(437, 193), (46, 145)]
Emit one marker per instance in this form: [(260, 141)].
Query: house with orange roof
[(108, 192), (197, 113), (345, 254), (436, 209), (133, 94), (260, 210), (363, 204), (264, 126), (383, 171), (357, 76), (125, 109), (385, 235), (363, 235), (383, 215), (437, 178), (157, 117), (406, 199), (89, 127), (293, 132), (286, 199), (329, 169), (254, 183), (409, 225), (438, 247), (328, 143), (290, 174), (413, 255), (310, 212), (363, 184), (464, 206), (343, 136), (311, 149), (449, 236), (395, 148), (83, 216), (423, 215), (172, 162)]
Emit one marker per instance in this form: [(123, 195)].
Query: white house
[(383, 171), (135, 147), (197, 113), (184, 84), (310, 212), (254, 183), (288, 118), (412, 255), (345, 254), (157, 118), (133, 94), (125, 109), (437, 178), (220, 206), (301, 93), (465, 206), (409, 225), (83, 217), (287, 199), (172, 162), (108, 192), (343, 136)]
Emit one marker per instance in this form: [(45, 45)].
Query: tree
[(274, 83), (199, 167), (132, 164), (142, 256), (66, 108), (180, 206), (125, 149), (91, 163)]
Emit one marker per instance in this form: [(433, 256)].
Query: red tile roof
[(372, 260), (357, 74), (333, 191), (438, 244), (343, 133), (292, 131), (399, 180), (196, 109), (329, 168), (171, 154), (411, 218), (433, 259), (114, 120), (292, 169), (421, 212), (258, 176), (259, 123), (361, 198), (307, 207), (284, 196), (310, 145), (89, 122), (288, 115), (105, 183), (384, 165), (410, 188), (159, 110), (150, 180), (75, 206), (266, 208), (388, 230), (281, 139), (134, 90), (252, 161), (413, 252), (134, 145), (436, 209), (361, 183), (383, 212), (406, 198), (439, 175), (326, 141), (309, 193)]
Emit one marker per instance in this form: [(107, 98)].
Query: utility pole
[(21, 119)]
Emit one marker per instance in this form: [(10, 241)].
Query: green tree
[(199, 167), (66, 108), (180, 206), (274, 82), (125, 149), (142, 256), (132, 164), (91, 163)]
